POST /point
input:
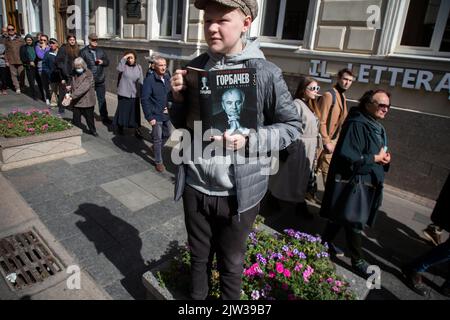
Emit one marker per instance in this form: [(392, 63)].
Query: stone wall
[(343, 26)]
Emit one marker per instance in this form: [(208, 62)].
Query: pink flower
[(44, 127), (298, 267), (284, 286), (287, 273), (271, 275), (330, 280), (338, 283), (336, 289), (279, 267)]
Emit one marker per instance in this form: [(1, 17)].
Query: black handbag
[(351, 201)]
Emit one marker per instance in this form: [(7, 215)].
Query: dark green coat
[(360, 140)]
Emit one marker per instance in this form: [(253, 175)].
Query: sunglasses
[(316, 88), (9, 29), (43, 40), (381, 105)]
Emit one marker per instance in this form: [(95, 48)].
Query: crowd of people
[(68, 76), (318, 135)]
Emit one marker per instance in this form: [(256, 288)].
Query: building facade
[(399, 45)]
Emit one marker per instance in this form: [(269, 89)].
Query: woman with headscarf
[(296, 164), (28, 57), (357, 168)]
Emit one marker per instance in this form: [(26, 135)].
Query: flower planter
[(156, 291), (25, 151)]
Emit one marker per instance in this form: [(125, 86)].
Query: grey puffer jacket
[(277, 115)]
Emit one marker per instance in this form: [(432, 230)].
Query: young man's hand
[(232, 142), (152, 122), (177, 84)]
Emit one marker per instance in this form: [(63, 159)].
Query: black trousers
[(3, 78), (214, 227), (353, 239), (88, 114), (100, 91), (45, 82), (31, 76)]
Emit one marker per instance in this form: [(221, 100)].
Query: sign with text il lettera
[(409, 78)]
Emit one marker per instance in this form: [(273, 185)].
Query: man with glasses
[(41, 49), (13, 43), (354, 189), (96, 61)]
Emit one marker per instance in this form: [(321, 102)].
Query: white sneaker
[(47, 102), (18, 91)]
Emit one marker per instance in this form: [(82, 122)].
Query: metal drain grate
[(25, 260)]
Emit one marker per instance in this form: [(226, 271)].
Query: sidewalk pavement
[(115, 217)]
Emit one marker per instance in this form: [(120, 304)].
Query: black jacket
[(97, 70), (64, 63), (354, 155), (441, 212)]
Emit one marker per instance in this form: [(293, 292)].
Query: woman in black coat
[(360, 155), (440, 254)]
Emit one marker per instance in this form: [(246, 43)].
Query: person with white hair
[(82, 95)]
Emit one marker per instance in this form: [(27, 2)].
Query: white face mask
[(79, 70)]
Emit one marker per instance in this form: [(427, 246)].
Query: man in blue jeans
[(155, 101), (439, 254)]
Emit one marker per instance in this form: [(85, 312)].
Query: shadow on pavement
[(131, 144), (127, 259)]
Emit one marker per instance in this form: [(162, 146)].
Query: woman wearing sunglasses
[(297, 162), (353, 191)]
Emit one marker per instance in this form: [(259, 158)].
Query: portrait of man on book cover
[(232, 104)]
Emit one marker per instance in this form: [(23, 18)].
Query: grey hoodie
[(213, 176)]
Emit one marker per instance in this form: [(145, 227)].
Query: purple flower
[(255, 295)]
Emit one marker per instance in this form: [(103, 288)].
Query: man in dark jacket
[(155, 94), (440, 254), (96, 60)]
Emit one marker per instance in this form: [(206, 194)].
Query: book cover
[(223, 99)]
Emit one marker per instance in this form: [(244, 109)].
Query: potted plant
[(288, 266)]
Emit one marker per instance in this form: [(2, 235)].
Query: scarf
[(378, 128)]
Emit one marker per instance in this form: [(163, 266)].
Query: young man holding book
[(221, 200)]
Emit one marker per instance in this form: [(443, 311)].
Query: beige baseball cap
[(249, 7)]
